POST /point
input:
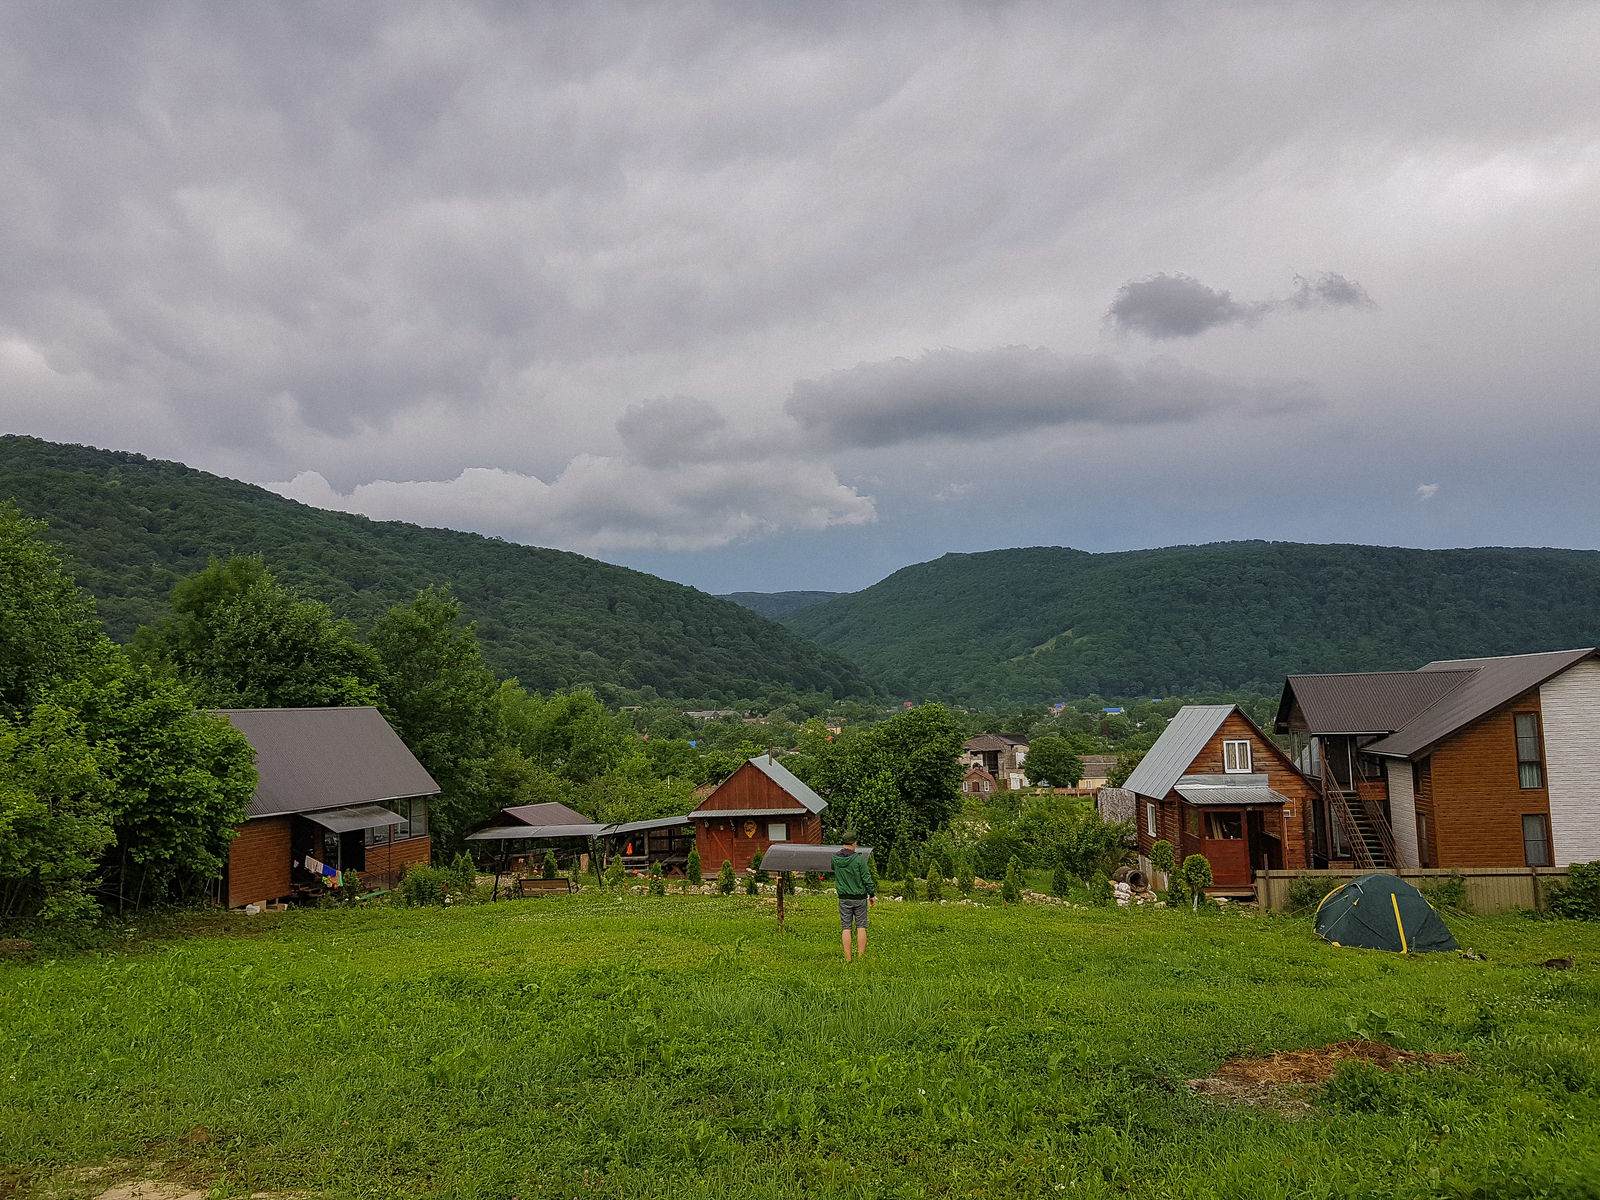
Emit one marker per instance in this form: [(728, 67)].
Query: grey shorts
[(852, 910)]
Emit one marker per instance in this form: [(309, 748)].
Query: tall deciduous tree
[(47, 626), (243, 641), (1053, 760), (904, 775)]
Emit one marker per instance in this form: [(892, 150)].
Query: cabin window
[(777, 832), (1536, 840), (1423, 854), (1530, 762), (1194, 822), (1236, 758), (986, 785), (1150, 819), (1225, 826)]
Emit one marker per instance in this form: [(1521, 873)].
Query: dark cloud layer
[(1179, 306)]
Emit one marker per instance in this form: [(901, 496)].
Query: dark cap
[(847, 838)]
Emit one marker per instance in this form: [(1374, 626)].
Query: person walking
[(852, 878)]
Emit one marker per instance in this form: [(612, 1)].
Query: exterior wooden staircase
[(1362, 822)]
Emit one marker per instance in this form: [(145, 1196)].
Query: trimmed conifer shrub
[(1011, 889), (910, 891), (1101, 893), (755, 865), (725, 878), (549, 870), (935, 884), (964, 878), (658, 881), (692, 868), (1197, 875)]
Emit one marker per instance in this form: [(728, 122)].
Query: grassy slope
[(1052, 623), (683, 1048), (132, 526)]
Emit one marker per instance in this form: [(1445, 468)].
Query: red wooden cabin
[(761, 803)]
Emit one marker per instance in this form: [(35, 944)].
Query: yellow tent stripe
[(1395, 900)]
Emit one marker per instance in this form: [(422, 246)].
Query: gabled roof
[(784, 778), (549, 813), (1368, 702), (994, 741), (1490, 682), (312, 759), (1177, 747)]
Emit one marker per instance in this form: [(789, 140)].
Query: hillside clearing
[(683, 1047)]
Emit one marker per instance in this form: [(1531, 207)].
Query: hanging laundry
[(313, 865)]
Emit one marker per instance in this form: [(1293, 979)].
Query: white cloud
[(1427, 491)]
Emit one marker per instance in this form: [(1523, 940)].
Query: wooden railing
[(1380, 825), (1347, 821)]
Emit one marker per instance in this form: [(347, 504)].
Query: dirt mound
[(1266, 1080)]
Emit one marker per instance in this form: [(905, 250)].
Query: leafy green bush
[(550, 869), (464, 871), (813, 881), (692, 868), (1357, 1086), (964, 880), (755, 865), (1101, 893), (1060, 878), (999, 846), (1579, 900), (909, 888), (658, 881), (1011, 889), (1448, 892), (935, 884), (1306, 892), (423, 885), (1163, 858), (616, 872), (1197, 876), (725, 878)]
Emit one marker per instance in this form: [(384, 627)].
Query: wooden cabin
[(1484, 762), (761, 803), (337, 786), (1215, 784), (978, 782)]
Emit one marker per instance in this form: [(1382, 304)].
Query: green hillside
[(1053, 623), (778, 604), (131, 527)]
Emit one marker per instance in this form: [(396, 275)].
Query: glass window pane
[(1536, 840), (1530, 774), (1527, 725)]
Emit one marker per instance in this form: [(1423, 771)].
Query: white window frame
[(1231, 757), (1150, 818), (777, 831)]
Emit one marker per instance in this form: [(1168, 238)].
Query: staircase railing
[(1380, 826), (1347, 821)]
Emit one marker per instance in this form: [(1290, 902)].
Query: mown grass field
[(591, 1046)]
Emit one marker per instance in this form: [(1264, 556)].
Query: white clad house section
[(1403, 813), (1571, 711)]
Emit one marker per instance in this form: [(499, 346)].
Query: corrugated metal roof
[(549, 813), (796, 856), (310, 759), (1230, 796), (1369, 702), (508, 833), (1184, 737), (1492, 682), (650, 823)]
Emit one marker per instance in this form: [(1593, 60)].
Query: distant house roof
[(1489, 683), (784, 778), (1231, 790), (994, 741), (1177, 747), (313, 759), (1372, 702)]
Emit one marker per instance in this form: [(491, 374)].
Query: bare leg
[(845, 938), (861, 941)]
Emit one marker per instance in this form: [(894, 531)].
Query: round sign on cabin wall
[(749, 829)]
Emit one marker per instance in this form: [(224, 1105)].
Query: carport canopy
[(357, 816)]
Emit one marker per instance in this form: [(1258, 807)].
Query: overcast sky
[(789, 296)]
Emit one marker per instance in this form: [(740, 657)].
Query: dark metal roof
[(650, 823), (1180, 742), (1232, 797), (994, 741), (310, 759), (512, 833), (549, 813), (1370, 702), (796, 856), (1490, 683), (362, 816)]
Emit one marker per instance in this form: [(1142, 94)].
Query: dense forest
[(777, 604), (1049, 623), (131, 527)]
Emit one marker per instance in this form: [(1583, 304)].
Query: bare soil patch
[(1280, 1080)]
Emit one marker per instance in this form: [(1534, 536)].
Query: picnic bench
[(544, 887)]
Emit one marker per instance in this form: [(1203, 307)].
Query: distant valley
[(778, 604)]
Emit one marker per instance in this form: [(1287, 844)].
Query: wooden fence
[(1489, 889)]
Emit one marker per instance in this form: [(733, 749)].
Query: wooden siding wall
[(258, 862), (1477, 802), (749, 788), (724, 841), (385, 864), (1571, 705)]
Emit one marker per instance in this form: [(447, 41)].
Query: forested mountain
[(130, 527), (1054, 623), (777, 604)]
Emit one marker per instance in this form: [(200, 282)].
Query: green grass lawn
[(591, 1046)]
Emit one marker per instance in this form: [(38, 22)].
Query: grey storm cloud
[(986, 394), (1166, 306)]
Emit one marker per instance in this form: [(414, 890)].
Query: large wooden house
[(1215, 784), (337, 787), (761, 803), (1484, 762)]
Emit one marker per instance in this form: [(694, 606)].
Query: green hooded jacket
[(852, 877)]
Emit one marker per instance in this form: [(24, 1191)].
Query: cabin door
[(1225, 847)]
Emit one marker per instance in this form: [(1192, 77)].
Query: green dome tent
[(1381, 912)]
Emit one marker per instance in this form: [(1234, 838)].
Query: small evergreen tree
[(464, 871), (1197, 875), (1101, 893), (691, 869), (872, 867), (910, 887), (725, 878), (755, 865), (751, 887), (1164, 859), (935, 884), (1060, 877), (616, 872), (1011, 889), (941, 854), (897, 863), (550, 870), (658, 881), (964, 878)]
